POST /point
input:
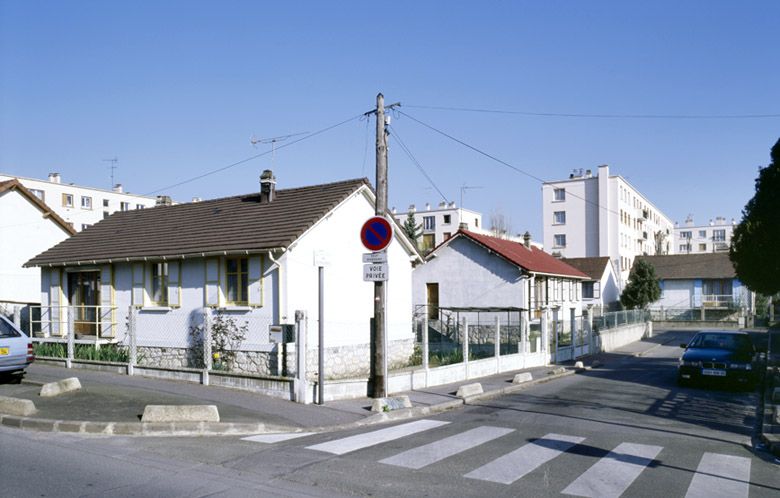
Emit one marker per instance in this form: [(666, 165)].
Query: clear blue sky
[(176, 89)]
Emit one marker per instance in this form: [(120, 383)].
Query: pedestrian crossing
[(609, 476)]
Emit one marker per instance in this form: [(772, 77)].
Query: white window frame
[(86, 202), (559, 194), (558, 238), (559, 217)]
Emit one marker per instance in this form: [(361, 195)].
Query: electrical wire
[(597, 116), (416, 162)]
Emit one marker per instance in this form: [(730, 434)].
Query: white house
[(600, 292), (254, 258), (82, 206), (27, 227), (691, 238), (604, 215)]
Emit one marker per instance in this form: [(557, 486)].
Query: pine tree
[(413, 230), (642, 288)]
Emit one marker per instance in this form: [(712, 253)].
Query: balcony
[(718, 301)]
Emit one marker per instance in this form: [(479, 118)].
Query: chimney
[(412, 208), (54, 177), (527, 239), (442, 205), (196, 199), (267, 187), (118, 188), (163, 200), (427, 206)]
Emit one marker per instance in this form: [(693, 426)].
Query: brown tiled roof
[(42, 206), (592, 267), (232, 225), (530, 258), (690, 266)]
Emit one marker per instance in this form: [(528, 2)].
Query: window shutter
[(55, 303), (596, 290), (174, 284), (106, 313), (212, 282), (255, 278), (139, 292)]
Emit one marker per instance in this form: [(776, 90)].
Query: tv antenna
[(254, 141), (465, 187), (113, 166)]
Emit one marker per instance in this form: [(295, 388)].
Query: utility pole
[(378, 332)]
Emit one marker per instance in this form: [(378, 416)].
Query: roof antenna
[(254, 141), (113, 166)]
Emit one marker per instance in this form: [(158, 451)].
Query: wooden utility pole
[(378, 337)]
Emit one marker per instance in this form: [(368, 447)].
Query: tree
[(500, 225), (642, 288), (412, 230), (755, 243)]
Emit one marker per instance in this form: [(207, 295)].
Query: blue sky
[(176, 89)]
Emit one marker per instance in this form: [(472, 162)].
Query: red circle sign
[(376, 233)]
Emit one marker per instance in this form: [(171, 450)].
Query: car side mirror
[(683, 346)]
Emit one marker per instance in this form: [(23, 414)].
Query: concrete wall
[(612, 339), (676, 294)]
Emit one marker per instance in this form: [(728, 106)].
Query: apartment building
[(589, 215), (715, 236), (441, 222), (83, 206)]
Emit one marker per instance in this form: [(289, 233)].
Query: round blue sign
[(376, 233)]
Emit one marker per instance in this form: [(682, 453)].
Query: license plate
[(3, 351), (715, 373)]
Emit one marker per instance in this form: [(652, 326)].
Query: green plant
[(106, 352), (50, 350), (226, 337)]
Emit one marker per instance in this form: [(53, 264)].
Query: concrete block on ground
[(391, 403), (60, 387), (579, 365), (16, 406), (522, 377), (557, 371), (777, 415), (776, 395), (180, 413), (469, 390)]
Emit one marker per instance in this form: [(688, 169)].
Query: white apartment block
[(696, 239), (594, 216), (440, 223), (83, 206)]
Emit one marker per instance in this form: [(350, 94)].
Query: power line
[(597, 115), (417, 163), (242, 161)]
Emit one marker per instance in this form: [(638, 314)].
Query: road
[(622, 430)]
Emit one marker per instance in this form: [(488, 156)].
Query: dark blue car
[(723, 356)]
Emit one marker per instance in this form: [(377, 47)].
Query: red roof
[(529, 258)]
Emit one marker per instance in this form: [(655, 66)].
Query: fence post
[(465, 345), (497, 345), (544, 323), (523, 346), (71, 338), (425, 345), (131, 334), (207, 356), (301, 387)]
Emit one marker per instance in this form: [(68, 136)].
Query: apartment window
[(686, 235), (702, 247), (559, 217), (139, 206), (428, 242), (86, 202), (559, 240), (40, 194), (559, 194), (447, 219), (106, 214), (124, 206), (719, 235), (84, 226), (67, 200), (105, 203), (702, 234), (476, 222), (237, 277), (429, 223), (683, 248), (447, 235), (159, 294)]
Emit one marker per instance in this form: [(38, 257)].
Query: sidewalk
[(112, 404)]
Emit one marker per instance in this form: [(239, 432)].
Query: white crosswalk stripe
[(276, 438), (422, 456), (512, 466), (613, 474), (720, 475), (360, 441)]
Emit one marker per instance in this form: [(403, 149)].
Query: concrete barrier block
[(391, 403), (180, 413), (522, 377), (579, 365), (60, 387), (16, 406), (557, 371), (777, 415), (469, 390), (776, 395)]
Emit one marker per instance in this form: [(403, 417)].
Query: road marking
[(422, 456), (720, 475), (360, 441), (613, 474), (276, 438), (512, 466)]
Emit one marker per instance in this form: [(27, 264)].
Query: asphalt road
[(622, 430)]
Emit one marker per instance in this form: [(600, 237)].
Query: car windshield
[(6, 329), (732, 342)]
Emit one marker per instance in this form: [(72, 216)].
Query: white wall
[(24, 233), (676, 294)]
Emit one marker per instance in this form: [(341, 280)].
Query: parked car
[(726, 356), (16, 349)]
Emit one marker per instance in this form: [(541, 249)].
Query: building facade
[(603, 215), (715, 236), (82, 206), (441, 222)]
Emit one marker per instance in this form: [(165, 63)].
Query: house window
[(559, 194), (719, 235), (686, 234), (40, 194), (428, 242), (237, 277), (559, 240), (559, 218), (124, 206), (105, 203), (685, 248), (702, 247), (106, 214), (429, 223), (86, 202), (587, 290), (447, 219), (84, 226), (139, 206), (447, 235), (476, 222), (702, 234), (159, 290), (67, 200)]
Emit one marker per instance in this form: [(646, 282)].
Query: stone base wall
[(245, 362)]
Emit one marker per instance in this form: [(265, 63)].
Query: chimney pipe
[(54, 177), (267, 187), (118, 188), (163, 200), (527, 239)]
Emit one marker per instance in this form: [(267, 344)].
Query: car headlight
[(741, 366)]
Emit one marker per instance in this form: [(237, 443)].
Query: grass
[(107, 352)]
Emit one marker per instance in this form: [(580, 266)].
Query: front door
[(433, 301), (84, 297)]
